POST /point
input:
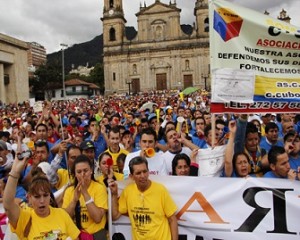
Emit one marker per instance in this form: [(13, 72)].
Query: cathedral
[(161, 54)]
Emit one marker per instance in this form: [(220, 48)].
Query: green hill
[(80, 54)]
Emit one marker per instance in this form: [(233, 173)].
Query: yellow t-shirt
[(115, 156), (118, 176), (58, 224), (148, 211), (63, 178), (98, 192)]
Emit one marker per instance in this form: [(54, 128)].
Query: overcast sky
[(51, 22)]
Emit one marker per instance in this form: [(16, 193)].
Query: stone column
[(2, 86)]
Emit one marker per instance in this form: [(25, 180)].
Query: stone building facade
[(14, 86), (162, 55)]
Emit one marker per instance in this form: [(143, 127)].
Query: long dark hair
[(234, 159), (102, 155), (179, 156), (80, 159)]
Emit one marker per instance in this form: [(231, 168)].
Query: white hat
[(45, 166), (255, 116)]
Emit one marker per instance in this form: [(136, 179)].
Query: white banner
[(254, 61), (230, 208)]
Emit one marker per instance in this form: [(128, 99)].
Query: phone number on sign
[(263, 105), (274, 105)]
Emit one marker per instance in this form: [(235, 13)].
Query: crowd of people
[(57, 162)]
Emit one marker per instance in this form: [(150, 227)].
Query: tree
[(46, 77), (97, 76)]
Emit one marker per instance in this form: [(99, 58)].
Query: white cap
[(45, 166), (255, 116)]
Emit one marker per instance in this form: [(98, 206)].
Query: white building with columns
[(14, 85)]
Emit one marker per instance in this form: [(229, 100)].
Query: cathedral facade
[(162, 54)]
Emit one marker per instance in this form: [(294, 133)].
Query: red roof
[(94, 86), (76, 82)]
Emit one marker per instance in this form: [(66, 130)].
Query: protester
[(114, 149), (106, 170), (97, 136), (279, 164), (247, 141), (156, 165), (86, 200), (41, 220), (198, 136), (210, 140), (236, 163), (7, 125), (271, 137), (183, 165), (40, 154), (148, 200), (174, 142), (292, 147), (65, 176), (5, 162)]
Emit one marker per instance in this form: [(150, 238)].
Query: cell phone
[(24, 154)]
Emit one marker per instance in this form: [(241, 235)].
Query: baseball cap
[(45, 166), (87, 144), (151, 116), (3, 145), (167, 108)]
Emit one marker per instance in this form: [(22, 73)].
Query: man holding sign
[(148, 204)]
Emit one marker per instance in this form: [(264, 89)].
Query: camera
[(24, 154)]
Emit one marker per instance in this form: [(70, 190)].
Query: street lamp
[(63, 46), (205, 76)]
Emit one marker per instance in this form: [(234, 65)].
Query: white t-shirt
[(156, 164), (168, 157)]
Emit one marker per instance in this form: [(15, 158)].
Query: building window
[(53, 94), (62, 93), (111, 3), (206, 25), (112, 34), (114, 76), (134, 69), (73, 89), (6, 79)]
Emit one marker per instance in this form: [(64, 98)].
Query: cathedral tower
[(113, 23), (202, 21)]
